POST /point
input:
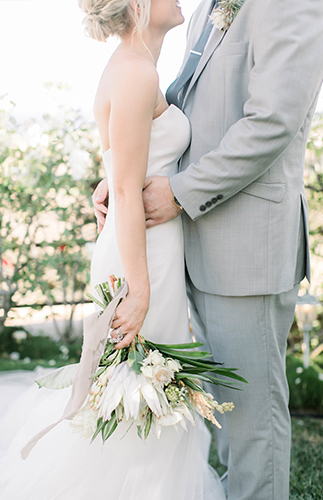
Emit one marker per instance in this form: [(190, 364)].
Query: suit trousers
[(250, 333)]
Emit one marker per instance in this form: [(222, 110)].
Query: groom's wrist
[(177, 203)]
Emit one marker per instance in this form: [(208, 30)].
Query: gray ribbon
[(95, 334)]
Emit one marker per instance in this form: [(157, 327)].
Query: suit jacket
[(250, 103)]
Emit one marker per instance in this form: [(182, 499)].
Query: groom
[(250, 98)]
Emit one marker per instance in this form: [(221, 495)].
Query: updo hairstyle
[(106, 18)]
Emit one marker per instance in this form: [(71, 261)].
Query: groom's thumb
[(147, 182)]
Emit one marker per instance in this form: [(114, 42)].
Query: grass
[(9, 364), (306, 480), (306, 475)]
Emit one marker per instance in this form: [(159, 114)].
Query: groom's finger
[(151, 223)]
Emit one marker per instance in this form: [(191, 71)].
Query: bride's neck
[(147, 45)]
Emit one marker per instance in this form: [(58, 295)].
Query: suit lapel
[(212, 44)]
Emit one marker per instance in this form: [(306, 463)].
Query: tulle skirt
[(65, 466)]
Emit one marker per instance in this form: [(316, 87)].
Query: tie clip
[(194, 52)]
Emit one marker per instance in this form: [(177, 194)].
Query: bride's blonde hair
[(106, 18)]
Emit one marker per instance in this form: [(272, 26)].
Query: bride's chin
[(179, 19)]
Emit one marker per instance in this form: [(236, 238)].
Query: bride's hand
[(129, 317), (100, 200)]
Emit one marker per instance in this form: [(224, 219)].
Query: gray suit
[(250, 103)]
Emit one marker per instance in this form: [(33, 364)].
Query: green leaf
[(227, 372), (204, 378), (148, 422), (190, 345), (139, 431), (106, 291), (191, 384), (186, 354), (140, 349), (60, 378), (110, 427), (99, 289), (99, 372), (99, 426), (169, 350), (109, 348), (135, 360), (91, 297)]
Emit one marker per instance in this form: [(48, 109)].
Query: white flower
[(14, 356), (219, 19), (85, 421), (64, 352), (147, 371), (26, 360), (154, 358), (173, 417), (162, 375), (19, 335), (34, 135), (321, 376), (89, 248), (64, 349), (104, 377), (115, 390), (299, 369), (61, 169), (173, 364), (78, 160), (297, 381), (69, 145), (129, 388)]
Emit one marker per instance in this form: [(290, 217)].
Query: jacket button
[(214, 200), (208, 204), (220, 196), (202, 208)]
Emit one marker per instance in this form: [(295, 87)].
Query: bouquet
[(145, 384)]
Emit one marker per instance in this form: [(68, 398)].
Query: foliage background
[(48, 173)]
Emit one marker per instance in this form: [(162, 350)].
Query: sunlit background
[(43, 41)]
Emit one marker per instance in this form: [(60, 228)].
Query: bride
[(140, 135)]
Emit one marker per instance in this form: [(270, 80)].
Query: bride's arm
[(133, 100)]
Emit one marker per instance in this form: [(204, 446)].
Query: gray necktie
[(176, 91)]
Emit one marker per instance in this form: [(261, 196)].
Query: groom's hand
[(158, 200)]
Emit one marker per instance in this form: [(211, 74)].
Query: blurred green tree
[(47, 176)]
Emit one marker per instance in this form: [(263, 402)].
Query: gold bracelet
[(177, 203)]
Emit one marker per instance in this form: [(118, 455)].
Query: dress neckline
[(154, 120)]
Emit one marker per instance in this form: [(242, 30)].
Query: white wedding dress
[(65, 466)]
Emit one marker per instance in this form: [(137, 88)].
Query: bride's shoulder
[(131, 70), (128, 81)]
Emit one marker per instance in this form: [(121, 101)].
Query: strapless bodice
[(170, 137)]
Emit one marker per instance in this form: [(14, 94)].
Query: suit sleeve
[(283, 85)]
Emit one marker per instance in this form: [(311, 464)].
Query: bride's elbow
[(128, 196)]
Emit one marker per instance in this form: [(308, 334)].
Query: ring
[(119, 337)]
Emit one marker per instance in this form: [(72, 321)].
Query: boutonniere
[(225, 12)]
